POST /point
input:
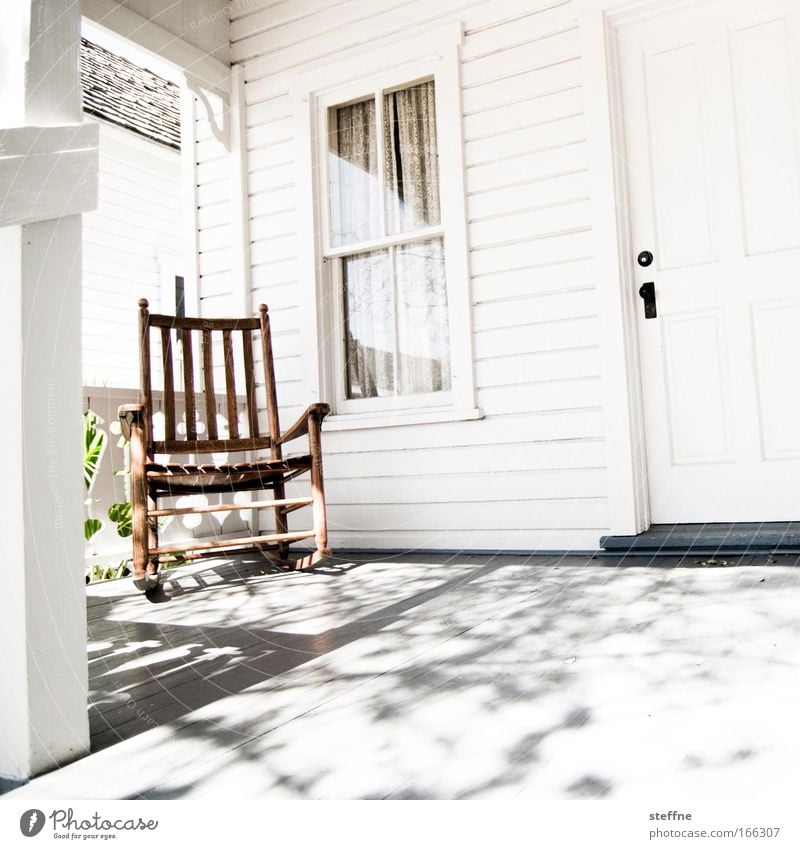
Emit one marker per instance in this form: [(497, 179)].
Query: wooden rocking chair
[(155, 476)]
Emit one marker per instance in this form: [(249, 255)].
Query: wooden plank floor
[(445, 677)]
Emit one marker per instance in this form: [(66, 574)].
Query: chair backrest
[(199, 338)]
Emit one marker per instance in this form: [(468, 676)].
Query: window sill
[(387, 418)]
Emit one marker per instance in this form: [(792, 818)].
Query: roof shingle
[(132, 97)]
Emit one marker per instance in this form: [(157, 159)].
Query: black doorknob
[(644, 259), (647, 292)]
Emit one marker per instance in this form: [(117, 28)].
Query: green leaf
[(91, 527), (94, 445), (121, 514)]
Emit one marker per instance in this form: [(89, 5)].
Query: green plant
[(97, 573), (95, 440), (121, 514), (91, 526)]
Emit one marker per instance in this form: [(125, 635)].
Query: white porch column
[(43, 664)]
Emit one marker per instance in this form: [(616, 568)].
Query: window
[(386, 235), (389, 310)]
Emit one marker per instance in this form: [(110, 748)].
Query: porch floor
[(446, 677)]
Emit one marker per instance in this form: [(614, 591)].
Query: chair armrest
[(314, 413), (128, 414)]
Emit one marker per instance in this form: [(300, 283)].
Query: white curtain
[(423, 342), (355, 214), (369, 325), (411, 162)]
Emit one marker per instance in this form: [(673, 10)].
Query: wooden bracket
[(221, 132)]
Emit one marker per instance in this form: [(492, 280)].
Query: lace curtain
[(398, 341), (355, 212), (394, 298), (411, 163)]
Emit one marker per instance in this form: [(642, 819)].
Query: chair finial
[(143, 303), (263, 308)]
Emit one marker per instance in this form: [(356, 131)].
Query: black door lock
[(647, 292), (644, 259)]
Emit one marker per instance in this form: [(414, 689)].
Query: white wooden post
[(48, 166)]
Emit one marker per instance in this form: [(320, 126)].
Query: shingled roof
[(118, 91)]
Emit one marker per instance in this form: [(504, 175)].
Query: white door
[(711, 98)]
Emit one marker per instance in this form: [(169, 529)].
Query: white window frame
[(429, 56)]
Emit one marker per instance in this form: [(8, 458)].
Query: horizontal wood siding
[(532, 473), (214, 232), (138, 221)]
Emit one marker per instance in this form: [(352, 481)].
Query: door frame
[(628, 489)]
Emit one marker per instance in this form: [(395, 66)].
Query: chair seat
[(188, 478)]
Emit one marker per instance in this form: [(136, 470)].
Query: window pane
[(411, 161), (353, 174), (423, 340), (369, 325)]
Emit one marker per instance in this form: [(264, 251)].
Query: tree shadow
[(451, 678)]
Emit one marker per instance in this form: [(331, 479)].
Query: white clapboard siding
[(541, 485), (537, 308), (531, 474), (137, 221), (214, 180), (524, 541)]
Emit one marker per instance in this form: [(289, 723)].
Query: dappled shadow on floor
[(223, 636), (453, 677)]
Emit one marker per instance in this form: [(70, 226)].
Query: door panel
[(689, 340), (766, 126), (682, 204), (776, 336)]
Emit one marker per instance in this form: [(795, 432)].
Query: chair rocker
[(156, 474)]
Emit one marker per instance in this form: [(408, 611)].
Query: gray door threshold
[(716, 538)]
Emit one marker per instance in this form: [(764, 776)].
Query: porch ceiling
[(441, 677)]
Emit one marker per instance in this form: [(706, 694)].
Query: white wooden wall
[(126, 241), (213, 164), (531, 474)]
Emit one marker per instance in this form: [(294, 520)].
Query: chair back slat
[(237, 364), (269, 381), (230, 384), (146, 388), (208, 380), (203, 323), (188, 384), (250, 382), (169, 385)]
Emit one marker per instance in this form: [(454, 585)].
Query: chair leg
[(318, 492), (281, 525), (152, 540), (144, 566), (139, 504)]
